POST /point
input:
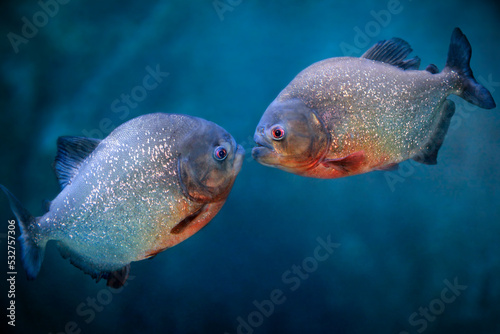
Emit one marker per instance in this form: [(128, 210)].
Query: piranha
[(153, 182), (345, 116)]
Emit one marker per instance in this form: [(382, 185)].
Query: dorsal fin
[(71, 152), (393, 52)]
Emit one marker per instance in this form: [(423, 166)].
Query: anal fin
[(116, 279), (428, 155)]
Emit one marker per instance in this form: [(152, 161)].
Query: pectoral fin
[(181, 226), (347, 164)]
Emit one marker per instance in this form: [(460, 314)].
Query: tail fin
[(32, 254), (459, 60)]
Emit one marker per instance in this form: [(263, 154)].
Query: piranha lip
[(259, 153), (263, 151), (261, 143)]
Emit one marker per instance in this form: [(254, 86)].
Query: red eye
[(278, 132), (220, 153)]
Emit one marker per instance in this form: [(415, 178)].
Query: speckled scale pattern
[(370, 106), (126, 197)]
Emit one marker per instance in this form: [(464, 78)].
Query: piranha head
[(290, 137), (209, 163)]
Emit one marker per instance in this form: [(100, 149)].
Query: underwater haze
[(414, 250)]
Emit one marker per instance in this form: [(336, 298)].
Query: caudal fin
[(32, 254), (459, 60)]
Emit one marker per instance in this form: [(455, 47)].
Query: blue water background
[(404, 236)]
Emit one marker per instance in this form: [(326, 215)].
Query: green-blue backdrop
[(416, 250)]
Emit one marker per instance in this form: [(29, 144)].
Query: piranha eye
[(220, 153), (278, 132)]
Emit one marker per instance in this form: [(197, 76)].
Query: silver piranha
[(153, 182), (345, 116)]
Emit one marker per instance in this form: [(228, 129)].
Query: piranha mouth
[(263, 152)]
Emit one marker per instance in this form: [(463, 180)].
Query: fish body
[(345, 116), (153, 182)]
